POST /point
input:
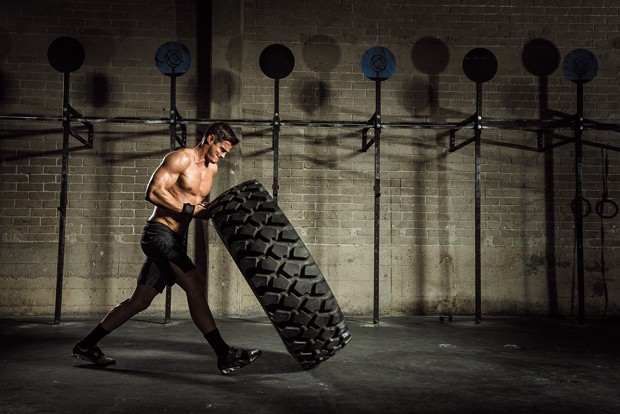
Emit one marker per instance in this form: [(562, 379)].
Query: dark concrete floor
[(405, 365)]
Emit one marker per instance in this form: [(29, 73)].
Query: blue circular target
[(378, 63), (580, 65), (173, 58)]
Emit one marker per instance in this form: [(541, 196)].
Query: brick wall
[(326, 182)]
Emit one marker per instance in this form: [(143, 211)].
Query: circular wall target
[(173, 58), (580, 65), (480, 65), (378, 63), (540, 57), (276, 61), (66, 54)]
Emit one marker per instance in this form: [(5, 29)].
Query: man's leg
[(140, 300), (87, 348), (194, 289), (229, 358)]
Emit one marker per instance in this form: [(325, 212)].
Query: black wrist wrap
[(188, 210)]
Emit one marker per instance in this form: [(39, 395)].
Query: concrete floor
[(405, 365)]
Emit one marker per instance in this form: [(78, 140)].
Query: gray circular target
[(580, 65), (173, 58), (378, 63), (66, 54), (276, 61), (480, 65)]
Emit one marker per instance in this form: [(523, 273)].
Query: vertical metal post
[(578, 204), (275, 138), (63, 197), (552, 289), (377, 188), (478, 132), (173, 133)]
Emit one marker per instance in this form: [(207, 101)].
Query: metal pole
[(173, 133), (377, 188), (478, 132), (578, 205), (63, 197), (276, 138)]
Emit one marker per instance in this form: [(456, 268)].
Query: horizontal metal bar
[(249, 122), (417, 125), (598, 145), (589, 124), (532, 125), (336, 124), (31, 118), (85, 120), (124, 120)]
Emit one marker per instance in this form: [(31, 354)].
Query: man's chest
[(196, 181)]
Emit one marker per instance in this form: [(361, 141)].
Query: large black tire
[(281, 273)]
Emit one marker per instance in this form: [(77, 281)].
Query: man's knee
[(140, 302), (194, 286)]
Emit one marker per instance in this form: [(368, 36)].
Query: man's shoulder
[(180, 156), (182, 152)]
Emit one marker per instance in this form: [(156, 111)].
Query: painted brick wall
[(326, 182)]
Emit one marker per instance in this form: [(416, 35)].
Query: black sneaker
[(236, 358), (93, 355)]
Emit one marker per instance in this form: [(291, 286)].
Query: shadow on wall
[(100, 90), (541, 58), (3, 87), (321, 55), (431, 56), (225, 83), (99, 49), (99, 53), (5, 47), (225, 87)]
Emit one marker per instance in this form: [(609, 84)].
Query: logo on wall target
[(378, 63), (173, 58), (580, 65)]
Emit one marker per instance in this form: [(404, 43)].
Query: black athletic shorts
[(162, 246)]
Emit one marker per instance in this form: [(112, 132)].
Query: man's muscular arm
[(161, 188), (158, 191)]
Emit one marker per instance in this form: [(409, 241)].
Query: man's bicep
[(164, 178), (167, 174)]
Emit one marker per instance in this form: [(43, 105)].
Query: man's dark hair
[(222, 132)]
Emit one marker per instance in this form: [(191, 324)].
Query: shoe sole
[(99, 364), (231, 369)]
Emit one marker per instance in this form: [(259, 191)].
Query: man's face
[(217, 150)]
